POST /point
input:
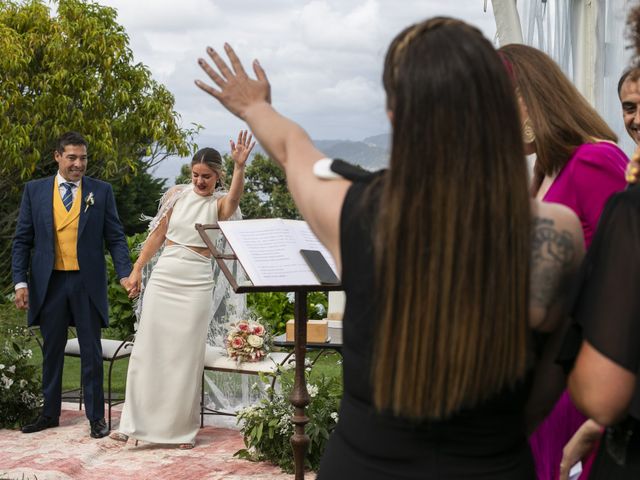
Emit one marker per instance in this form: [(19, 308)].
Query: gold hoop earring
[(528, 134)]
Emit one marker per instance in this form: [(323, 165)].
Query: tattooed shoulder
[(553, 253)]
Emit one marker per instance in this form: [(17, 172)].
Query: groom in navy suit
[(65, 221)]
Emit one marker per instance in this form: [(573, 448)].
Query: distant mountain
[(366, 154), (371, 153), (383, 141)]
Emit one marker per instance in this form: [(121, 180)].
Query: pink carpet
[(67, 452)]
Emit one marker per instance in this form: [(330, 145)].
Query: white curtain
[(585, 37)]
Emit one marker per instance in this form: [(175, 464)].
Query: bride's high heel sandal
[(187, 446), (119, 436)]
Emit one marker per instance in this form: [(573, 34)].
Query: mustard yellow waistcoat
[(65, 226)]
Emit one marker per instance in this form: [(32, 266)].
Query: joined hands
[(131, 285)]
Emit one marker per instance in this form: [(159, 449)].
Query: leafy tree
[(136, 198), (265, 192), (185, 174), (75, 71)]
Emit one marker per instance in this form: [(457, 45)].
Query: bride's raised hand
[(236, 91), (241, 149)]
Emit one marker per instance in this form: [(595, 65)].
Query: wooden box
[(317, 331)]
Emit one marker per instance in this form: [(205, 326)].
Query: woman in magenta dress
[(577, 165)]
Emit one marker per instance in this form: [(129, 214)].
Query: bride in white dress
[(165, 368)]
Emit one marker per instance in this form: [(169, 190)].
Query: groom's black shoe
[(99, 428), (42, 422)]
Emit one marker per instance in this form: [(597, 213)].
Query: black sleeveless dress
[(486, 442), (606, 313)]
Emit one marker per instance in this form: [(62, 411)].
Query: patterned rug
[(67, 452)]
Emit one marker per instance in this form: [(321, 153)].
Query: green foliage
[(19, 381), (75, 71), (276, 308), (121, 308), (265, 192), (139, 196), (185, 175), (266, 427)]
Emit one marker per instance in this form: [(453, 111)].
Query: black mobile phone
[(320, 268)]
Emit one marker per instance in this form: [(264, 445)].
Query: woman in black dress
[(605, 336), (603, 383), (447, 264)]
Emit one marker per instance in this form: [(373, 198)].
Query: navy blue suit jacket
[(33, 244)]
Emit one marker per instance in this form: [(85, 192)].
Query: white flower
[(1, 366), (313, 390), (288, 366), (320, 310), (11, 369), (28, 353), (255, 341), (7, 381), (334, 416), (291, 296), (23, 383), (29, 399), (88, 201)]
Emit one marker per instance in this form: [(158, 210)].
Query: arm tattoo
[(552, 254)]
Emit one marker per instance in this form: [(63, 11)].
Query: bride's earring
[(528, 134)]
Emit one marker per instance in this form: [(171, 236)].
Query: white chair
[(216, 360)]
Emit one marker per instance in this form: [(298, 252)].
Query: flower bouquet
[(246, 341)]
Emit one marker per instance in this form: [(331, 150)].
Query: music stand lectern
[(300, 396)]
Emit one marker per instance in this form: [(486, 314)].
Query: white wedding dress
[(162, 401)]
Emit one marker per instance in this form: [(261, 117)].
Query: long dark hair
[(452, 237), (561, 117)]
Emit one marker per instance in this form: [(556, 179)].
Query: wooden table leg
[(300, 396)]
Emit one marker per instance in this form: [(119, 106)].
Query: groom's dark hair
[(69, 138)]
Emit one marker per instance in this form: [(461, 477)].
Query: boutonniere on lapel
[(88, 201)]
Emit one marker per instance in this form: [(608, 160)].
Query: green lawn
[(328, 364)]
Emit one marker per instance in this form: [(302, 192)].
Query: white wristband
[(322, 169)]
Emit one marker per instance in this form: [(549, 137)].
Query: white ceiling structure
[(585, 37)]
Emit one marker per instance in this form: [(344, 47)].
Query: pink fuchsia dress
[(594, 172)]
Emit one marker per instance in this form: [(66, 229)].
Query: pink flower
[(237, 343), (243, 326), (258, 330)]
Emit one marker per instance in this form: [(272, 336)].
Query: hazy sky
[(323, 57)]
